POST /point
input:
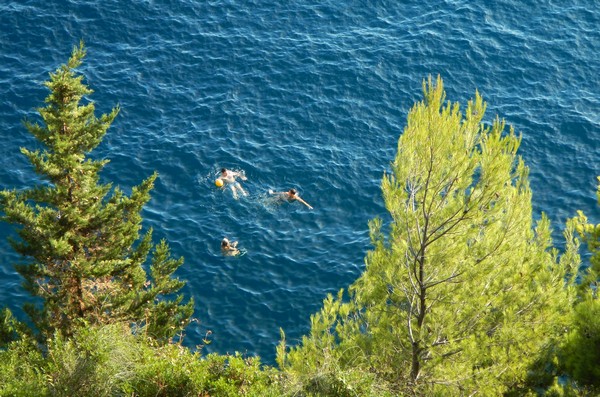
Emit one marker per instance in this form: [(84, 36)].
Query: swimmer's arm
[(304, 202), (239, 174)]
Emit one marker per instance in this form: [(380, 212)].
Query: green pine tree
[(590, 234), (581, 356), (80, 238), (465, 295)]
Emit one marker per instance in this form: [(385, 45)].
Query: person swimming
[(229, 248), (290, 195), (229, 178)]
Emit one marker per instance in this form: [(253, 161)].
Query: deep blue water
[(312, 95)]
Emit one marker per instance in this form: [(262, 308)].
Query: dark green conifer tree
[(84, 255)]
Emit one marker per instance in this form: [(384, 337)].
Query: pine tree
[(581, 356), (465, 294), (84, 255)]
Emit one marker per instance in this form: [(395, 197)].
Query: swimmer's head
[(223, 170), (224, 242), (292, 192)]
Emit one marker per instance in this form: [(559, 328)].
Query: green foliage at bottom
[(21, 371), (110, 361), (582, 351), (318, 370)]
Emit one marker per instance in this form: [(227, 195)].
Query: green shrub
[(95, 361), (162, 371), (234, 375), (20, 370), (110, 361)]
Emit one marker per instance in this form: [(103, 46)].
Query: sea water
[(297, 94)]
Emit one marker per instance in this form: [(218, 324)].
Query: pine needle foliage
[(581, 356), (84, 258), (462, 292)]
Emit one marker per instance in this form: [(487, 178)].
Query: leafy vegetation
[(462, 293), (109, 360)]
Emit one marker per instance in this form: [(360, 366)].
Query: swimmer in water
[(229, 178), (229, 248), (290, 195)]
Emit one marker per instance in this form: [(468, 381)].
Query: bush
[(172, 370), (21, 372), (96, 361), (111, 361)]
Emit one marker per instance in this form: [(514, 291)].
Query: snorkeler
[(228, 177), (290, 195), (229, 248)]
